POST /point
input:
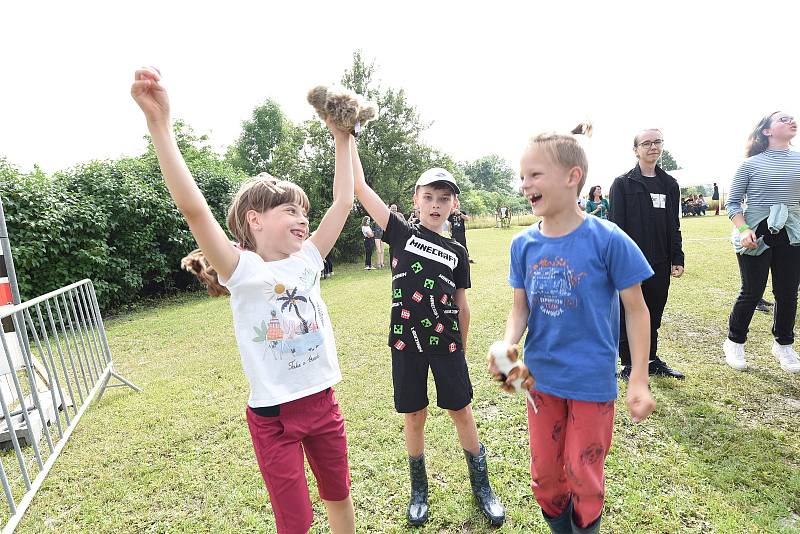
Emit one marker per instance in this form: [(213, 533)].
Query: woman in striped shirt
[(767, 237)]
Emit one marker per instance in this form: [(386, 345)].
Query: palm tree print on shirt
[(290, 299)]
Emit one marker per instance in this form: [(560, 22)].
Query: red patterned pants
[(569, 443)]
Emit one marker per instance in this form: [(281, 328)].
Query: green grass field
[(721, 453)]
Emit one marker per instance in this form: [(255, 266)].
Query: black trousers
[(655, 291), (783, 261), (461, 238), (369, 246)]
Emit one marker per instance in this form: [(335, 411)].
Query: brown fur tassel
[(584, 128), (348, 110), (196, 263)]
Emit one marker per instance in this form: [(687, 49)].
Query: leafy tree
[(490, 173), (111, 221), (473, 203), (217, 178), (391, 149), (287, 158), (262, 136), (7, 170), (667, 161), (693, 190)]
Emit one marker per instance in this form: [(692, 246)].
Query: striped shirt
[(769, 178)]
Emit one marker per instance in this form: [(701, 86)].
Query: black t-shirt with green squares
[(427, 268)]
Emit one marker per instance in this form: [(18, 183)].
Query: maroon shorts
[(312, 427)]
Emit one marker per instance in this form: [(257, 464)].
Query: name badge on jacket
[(659, 200)]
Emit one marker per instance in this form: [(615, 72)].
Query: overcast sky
[(488, 75)]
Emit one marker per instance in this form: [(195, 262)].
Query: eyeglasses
[(787, 119), (647, 144)]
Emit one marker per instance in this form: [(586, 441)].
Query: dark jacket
[(632, 210)]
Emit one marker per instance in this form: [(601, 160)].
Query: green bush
[(111, 221), (53, 235)]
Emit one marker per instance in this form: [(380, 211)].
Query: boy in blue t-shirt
[(569, 272)]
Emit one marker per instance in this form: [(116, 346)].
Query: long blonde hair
[(260, 193), (564, 149)]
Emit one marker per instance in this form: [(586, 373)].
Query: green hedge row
[(115, 223), (111, 221)]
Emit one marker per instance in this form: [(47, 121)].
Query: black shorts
[(410, 380)]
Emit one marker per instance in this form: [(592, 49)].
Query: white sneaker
[(734, 354), (787, 357)]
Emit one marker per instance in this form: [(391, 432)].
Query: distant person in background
[(597, 205), (414, 217), (686, 206), (393, 209), (369, 243), (715, 196), (702, 205), (505, 216), (458, 227), (693, 204), (377, 231), (645, 203), (764, 306), (327, 266), (766, 237)]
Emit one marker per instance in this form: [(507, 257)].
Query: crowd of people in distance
[(694, 205)]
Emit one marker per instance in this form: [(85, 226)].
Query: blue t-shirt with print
[(572, 285)]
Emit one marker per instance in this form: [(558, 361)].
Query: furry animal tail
[(196, 263), (584, 128)]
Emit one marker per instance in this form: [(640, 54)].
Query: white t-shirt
[(282, 326)]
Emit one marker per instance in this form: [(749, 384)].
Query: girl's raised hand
[(150, 95), (336, 131)]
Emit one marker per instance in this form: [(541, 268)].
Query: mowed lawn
[(721, 453)]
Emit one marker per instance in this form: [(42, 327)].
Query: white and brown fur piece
[(196, 263), (347, 110)]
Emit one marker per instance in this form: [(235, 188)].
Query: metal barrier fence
[(55, 359)]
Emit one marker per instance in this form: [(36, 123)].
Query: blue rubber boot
[(488, 502), (418, 505), (561, 524)]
